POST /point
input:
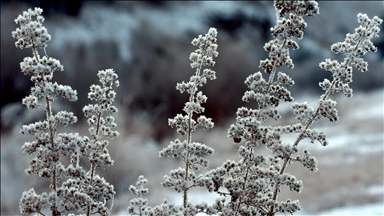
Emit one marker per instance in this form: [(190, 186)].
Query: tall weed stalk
[(73, 190)]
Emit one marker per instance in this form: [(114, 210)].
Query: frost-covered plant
[(139, 205), (87, 191), (253, 183), (191, 152), (183, 179), (101, 127), (72, 189)]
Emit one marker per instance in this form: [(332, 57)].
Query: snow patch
[(365, 210), (376, 190)]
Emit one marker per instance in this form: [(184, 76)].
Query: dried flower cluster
[(73, 190)]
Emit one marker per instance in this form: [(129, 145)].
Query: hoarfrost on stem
[(182, 179), (72, 188)]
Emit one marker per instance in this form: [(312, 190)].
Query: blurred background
[(148, 44)]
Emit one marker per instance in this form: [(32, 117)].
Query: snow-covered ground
[(363, 210)]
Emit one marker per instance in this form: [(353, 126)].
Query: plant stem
[(301, 136), (93, 167), (52, 131), (245, 181), (273, 72), (189, 139), (55, 159)]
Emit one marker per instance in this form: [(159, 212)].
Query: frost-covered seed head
[(31, 32)]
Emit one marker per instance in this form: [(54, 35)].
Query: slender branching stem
[(301, 136), (48, 112), (93, 167), (273, 72)]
